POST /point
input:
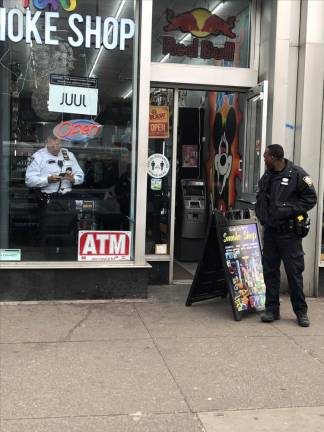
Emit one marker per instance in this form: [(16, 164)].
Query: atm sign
[(104, 245)]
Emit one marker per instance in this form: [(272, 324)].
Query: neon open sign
[(77, 130)]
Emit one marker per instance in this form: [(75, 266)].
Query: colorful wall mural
[(223, 164)]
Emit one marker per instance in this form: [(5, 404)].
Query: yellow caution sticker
[(308, 181)]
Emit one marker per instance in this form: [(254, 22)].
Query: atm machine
[(191, 221)]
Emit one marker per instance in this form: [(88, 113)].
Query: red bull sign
[(200, 23), (104, 245)]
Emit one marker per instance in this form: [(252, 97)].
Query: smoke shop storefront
[(115, 146), (68, 78)]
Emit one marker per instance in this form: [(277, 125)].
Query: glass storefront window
[(67, 127), (202, 33), (159, 171)]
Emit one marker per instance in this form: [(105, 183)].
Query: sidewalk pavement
[(158, 366)]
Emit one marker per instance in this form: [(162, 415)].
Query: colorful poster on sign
[(159, 122), (189, 156), (243, 260), (104, 245)]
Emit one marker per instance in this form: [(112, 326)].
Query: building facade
[(154, 101)]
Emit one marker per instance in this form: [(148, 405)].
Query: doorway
[(214, 147)]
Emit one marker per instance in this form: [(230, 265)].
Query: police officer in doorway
[(285, 195), (52, 172)]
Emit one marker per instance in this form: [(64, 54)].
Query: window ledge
[(71, 265)]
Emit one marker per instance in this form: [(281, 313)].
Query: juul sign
[(74, 95)]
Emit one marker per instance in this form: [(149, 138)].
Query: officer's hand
[(54, 178), (69, 176)]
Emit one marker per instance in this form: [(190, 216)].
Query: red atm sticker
[(104, 245)]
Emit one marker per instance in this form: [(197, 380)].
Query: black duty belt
[(280, 229), (55, 195)]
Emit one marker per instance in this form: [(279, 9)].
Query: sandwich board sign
[(231, 264)]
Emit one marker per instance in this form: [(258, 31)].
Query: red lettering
[(68, 129), (115, 244), (76, 129), (160, 116), (61, 129)]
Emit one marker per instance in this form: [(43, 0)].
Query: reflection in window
[(55, 188)]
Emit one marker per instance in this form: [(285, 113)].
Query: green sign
[(10, 255)]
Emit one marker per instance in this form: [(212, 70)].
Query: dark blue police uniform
[(283, 196)]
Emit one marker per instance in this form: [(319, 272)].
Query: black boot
[(302, 319), (270, 315)]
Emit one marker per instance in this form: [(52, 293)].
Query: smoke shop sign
[(41, 26), (200, 23)]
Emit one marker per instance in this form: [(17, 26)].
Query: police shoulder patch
[(30, 160), (307, 180)]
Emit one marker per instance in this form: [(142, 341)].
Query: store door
[(221, 138), (214, 149)]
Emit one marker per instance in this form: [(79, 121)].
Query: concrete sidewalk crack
[(309, 352), (78, 324), (169, 370), (85, 416)]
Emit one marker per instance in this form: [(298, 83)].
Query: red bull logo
[(200, 23), (68, 5)]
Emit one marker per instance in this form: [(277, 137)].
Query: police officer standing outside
[(53, 171), (285, 195)]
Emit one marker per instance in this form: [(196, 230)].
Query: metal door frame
[(320, 207), (260, 90)]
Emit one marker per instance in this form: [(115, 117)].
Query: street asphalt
[(157, 366)]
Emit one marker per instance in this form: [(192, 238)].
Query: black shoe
[(269, 316), (302, 319)]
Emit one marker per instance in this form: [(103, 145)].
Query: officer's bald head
[(53, 145), (276, 151), (274, 157)]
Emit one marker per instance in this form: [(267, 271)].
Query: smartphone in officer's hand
[(54, 178)]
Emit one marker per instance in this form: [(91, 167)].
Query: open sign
[(77, 130), (104, 245)]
